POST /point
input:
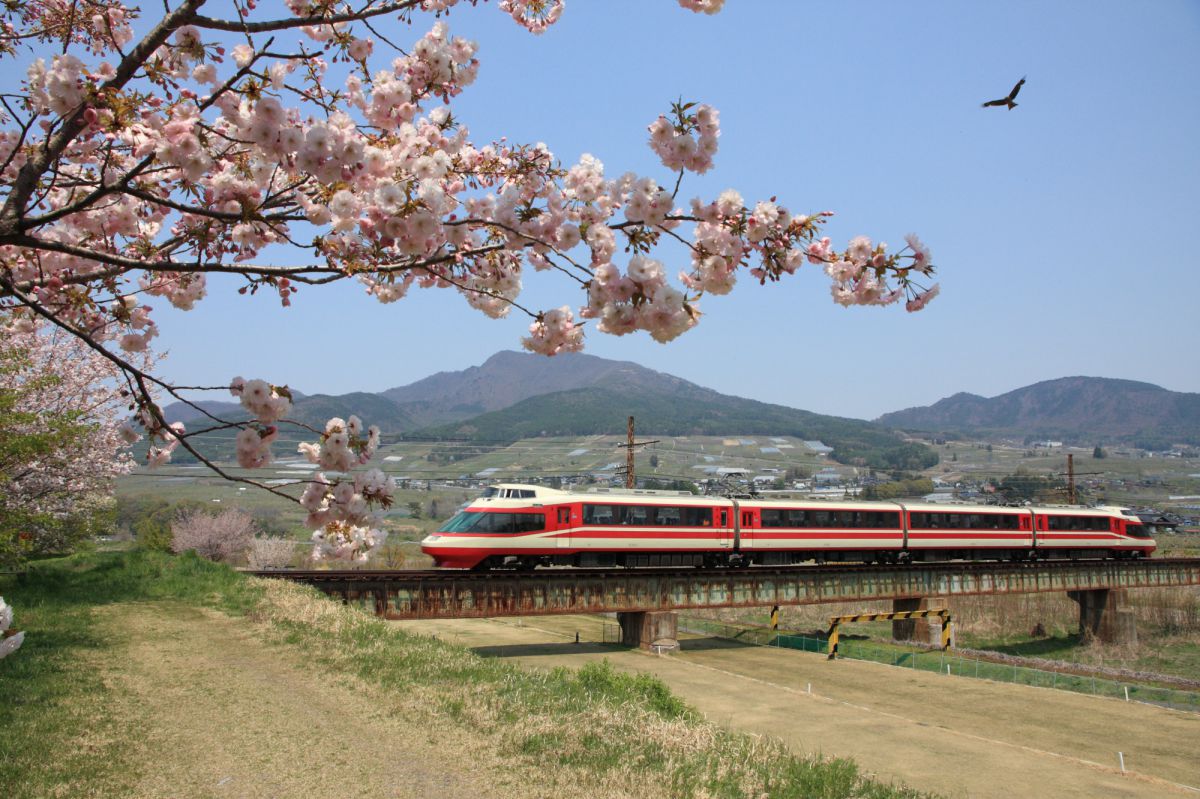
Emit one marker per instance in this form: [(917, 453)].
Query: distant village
[(841, 482)]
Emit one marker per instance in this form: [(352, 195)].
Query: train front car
[(512, 525), (526, 526)]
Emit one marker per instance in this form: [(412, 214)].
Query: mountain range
[(1083, 410), (515, 395), (518, 395)]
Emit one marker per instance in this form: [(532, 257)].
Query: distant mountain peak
[(1079, 408)]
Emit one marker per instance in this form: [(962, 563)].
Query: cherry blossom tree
[(135, 165), (61, 411)]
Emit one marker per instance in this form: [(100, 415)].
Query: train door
[(1041, 526), (746, 529), (1027, 526), (562, 523), (727, 524)]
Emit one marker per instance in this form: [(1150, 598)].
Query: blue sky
[(1063, 229)]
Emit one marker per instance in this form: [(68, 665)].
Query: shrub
[(220, 537), (269, 552), (392, 556)]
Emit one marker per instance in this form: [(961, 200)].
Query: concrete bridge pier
[(655, 630), (924, 631), (1101, 616)]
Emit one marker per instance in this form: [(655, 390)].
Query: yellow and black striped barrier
[(836, 621)]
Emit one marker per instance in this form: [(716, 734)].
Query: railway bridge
[(645, 599)]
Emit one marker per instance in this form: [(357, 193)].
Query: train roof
[(517, 495)]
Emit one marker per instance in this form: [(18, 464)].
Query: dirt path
[(219, 713), (957, 736)]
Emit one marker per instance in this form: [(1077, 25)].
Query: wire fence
[(948, 663)]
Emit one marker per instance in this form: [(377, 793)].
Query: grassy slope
[(595, 727)]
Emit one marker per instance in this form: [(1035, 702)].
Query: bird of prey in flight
[(1007, 101)]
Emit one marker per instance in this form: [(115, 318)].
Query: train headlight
[(431, 538)]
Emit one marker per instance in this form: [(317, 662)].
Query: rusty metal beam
[(455, 594)]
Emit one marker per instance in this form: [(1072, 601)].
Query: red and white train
[(525, 526)]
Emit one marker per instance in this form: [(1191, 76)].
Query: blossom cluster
[(690, 142), (268, 403), (342, 445), (346, 542)]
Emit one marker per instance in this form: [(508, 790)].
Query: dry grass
[(595, 729)]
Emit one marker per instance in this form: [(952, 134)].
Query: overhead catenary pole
[(630, 478), (1070, 479)]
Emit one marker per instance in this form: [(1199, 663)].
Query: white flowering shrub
[(268, 552), (223, 537)]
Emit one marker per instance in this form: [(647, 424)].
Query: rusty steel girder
[(445, 593)]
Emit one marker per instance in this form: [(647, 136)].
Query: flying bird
[(1007, 101)]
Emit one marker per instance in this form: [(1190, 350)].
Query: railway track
[(463, 575)]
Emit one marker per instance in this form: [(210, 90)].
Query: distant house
[(827, 477), (1160, 522)]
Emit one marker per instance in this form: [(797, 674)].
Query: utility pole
[(1070, 479), (630, 482)]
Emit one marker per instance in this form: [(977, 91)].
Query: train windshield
[(1136, 530), (494, 522)]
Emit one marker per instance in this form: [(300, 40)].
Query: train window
[(1137, 530), (459, 522), (1079, 523), (648, 515), (771, 517), (564, 515), (489, 522), (668, 516), (795, 517), (883, 520), (598, 514), (529, 522)]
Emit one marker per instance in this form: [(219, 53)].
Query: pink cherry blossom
[(138, 169)]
